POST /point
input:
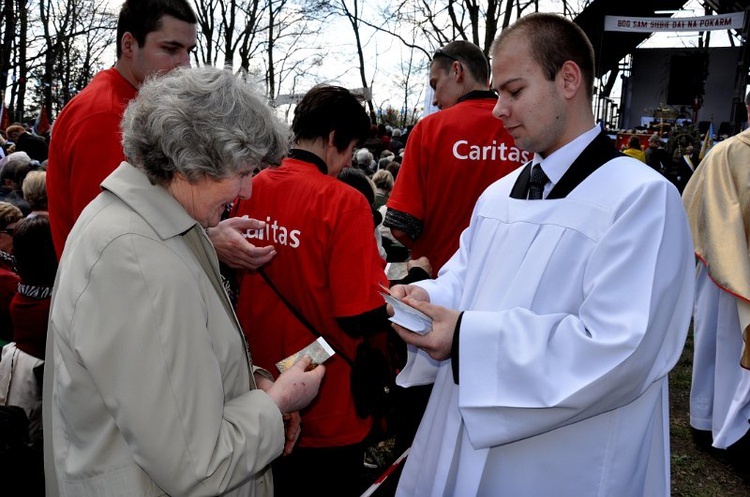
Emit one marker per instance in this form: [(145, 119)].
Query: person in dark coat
[(35, 146)]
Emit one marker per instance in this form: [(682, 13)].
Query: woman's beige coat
[(148, 384)]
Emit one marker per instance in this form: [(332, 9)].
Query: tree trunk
[(9, 22), (271, 73), (354, 21), (22, 66)]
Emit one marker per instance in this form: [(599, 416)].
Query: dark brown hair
[(554, 40), (141, 17), (327, 108)]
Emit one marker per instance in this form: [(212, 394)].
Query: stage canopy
[(611, 47)]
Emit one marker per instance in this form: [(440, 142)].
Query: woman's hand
[(292, 430), (234, 249), (292, 420), (296, 387)]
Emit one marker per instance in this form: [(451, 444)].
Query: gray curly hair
[(200, 122)]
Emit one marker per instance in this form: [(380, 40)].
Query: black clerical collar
[(477, 94), (305, 156), (600, 151)]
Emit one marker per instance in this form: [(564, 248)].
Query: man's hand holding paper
[(438, 342), (403, 314)]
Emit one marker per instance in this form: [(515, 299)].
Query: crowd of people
[(158, 262), (677, 169), (28, 266)]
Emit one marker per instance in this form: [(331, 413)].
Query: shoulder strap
[(299, 315)]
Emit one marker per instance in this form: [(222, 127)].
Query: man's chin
[(520, 142)]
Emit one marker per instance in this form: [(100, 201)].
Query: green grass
[(700, 472)]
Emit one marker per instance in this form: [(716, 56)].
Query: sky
[(339, 66), (384, 93)]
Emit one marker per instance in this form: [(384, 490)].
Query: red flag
[(4, 118), (41, 126)]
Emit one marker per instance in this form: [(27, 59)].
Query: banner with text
[(652, 24)]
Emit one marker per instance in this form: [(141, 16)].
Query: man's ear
[(571, 79), (457, 71), (127, 43)]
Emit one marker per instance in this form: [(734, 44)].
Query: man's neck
[(127, 73), (579, 122), (316, 147)]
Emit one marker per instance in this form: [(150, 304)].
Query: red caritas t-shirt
[(451, 157), (327, 265), (86, 147)]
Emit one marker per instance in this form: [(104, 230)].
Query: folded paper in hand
[(408, 317), (396, 271), (319, 351)]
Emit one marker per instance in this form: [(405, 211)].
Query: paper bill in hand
[(396, 271), (319, 351), (408, 317)]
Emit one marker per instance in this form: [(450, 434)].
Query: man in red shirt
[(153, 36), (451, 157), (329, 269)]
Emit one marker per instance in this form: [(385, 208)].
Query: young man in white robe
[(717, 200), (557, 320)]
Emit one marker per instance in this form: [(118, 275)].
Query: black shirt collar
[(305, 156), (477, 94)]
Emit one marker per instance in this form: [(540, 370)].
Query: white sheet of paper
[(407, 316)]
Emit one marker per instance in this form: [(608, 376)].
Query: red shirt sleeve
[(408, 193)]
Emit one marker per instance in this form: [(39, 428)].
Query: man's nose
[(184, 59), (500, 111)]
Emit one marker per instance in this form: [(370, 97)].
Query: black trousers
[(320, 471)]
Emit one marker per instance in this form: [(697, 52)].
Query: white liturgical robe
[(720, 392), (575, 311)]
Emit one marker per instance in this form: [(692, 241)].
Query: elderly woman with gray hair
[(149, 386)]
